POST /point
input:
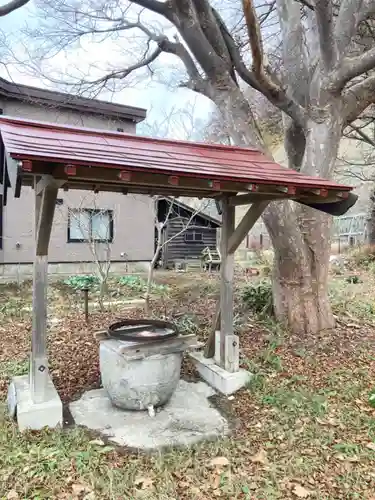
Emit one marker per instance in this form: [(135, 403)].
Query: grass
[(303, 426)]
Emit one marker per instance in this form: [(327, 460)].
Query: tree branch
[(263, 82), (347, 22), (352, 67), (154, 5), (210, 27), (123, 73), (324, 18), (361, 136), (11, 6), (357, 98), (307, 4)]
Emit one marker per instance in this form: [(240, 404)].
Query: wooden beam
[(247, 222), (45, 218), (226, 271), (45, 200), (48, 181), (247, 199), (38, 359)]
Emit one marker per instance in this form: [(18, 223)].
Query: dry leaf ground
[(303, 426)]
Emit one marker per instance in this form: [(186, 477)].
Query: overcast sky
[(159, 100)]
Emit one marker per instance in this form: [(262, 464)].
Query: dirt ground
[(303, 427)]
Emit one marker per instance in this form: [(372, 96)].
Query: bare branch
[(360, 135), (211, 28), (307, 4), (179, 50), (154, 5), (263, 82), (357, 98), (347, 22), (123, 73), (324, 17), (352, 67), (12, 6)]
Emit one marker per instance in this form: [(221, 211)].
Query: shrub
[(258, 298), (82, 281)]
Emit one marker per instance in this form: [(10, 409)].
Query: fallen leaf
[(219, 462), (260, 457), (90, 496), (300, 491), (143, 482), (79, 489), (12, 495)]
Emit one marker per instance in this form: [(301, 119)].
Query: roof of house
[(124, 162), (11, 90), (200, 211)]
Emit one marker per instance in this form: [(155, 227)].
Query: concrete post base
[(223, 381), (32, 415)]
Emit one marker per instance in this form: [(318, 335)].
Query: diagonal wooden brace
[(234, 241)]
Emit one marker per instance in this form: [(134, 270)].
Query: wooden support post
[(226, 270), (235, 239), (45, 201)]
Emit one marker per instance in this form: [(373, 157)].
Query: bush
[(258, 298), (80, 282)]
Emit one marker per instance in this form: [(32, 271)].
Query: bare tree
[(324, 82), (92, 226), (162, 239)]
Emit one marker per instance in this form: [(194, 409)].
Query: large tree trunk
[(300, 235), (302, 247)]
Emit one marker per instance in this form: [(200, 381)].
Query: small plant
[(138, 284), (82, 281), (13, 368), (258, 298), (371, 398), (353, 279)]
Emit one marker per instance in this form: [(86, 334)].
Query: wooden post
[(45, 201), (226, 271), (235, 239)]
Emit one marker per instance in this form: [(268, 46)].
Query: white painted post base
[(221, 380), (31, 415)]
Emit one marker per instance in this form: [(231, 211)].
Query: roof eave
[(20, 92)]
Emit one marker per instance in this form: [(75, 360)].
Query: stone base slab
[(32, 415), (223, 381)]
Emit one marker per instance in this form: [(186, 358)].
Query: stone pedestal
[(223, 381), (31, 415)]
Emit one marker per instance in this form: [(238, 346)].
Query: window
[(90, 225), (194, 236)]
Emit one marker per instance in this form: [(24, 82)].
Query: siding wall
[(133, 214), (179, 249)]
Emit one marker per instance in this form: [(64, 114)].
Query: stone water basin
[(140, 363)]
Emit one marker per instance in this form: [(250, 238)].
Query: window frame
[(194, 231), (91, 212)]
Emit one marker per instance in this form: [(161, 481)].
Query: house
[(107, 221), (187, 231)]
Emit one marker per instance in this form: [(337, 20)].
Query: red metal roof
[(25, 139)]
